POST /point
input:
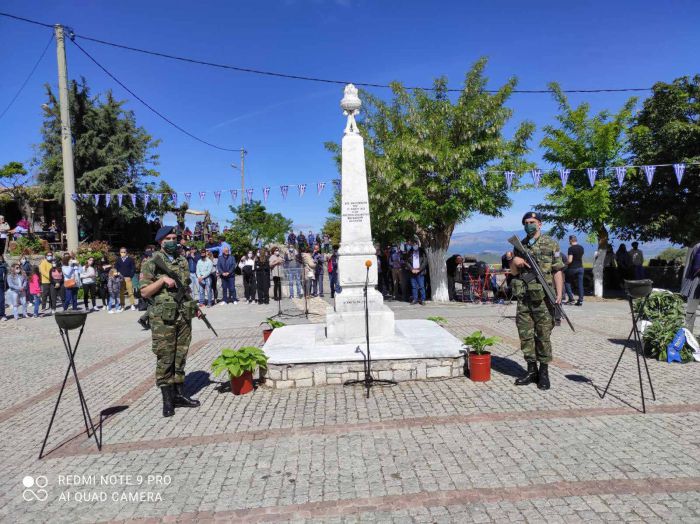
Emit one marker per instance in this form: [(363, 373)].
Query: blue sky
[(284, 123)]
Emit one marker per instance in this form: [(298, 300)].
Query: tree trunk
[(599, 261), (436, 245)]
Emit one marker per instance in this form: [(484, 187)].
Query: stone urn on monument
[(357, 262)]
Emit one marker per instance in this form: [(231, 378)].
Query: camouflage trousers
[(535, 320), (171, 342)]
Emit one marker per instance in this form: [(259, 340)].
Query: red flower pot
[(266, 334), (480, 367), (243, 384)]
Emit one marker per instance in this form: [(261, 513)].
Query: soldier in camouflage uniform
[(171, 324), (535, 315)]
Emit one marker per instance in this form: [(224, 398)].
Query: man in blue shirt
[(226, 268)]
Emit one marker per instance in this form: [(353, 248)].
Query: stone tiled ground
[(436, 451)]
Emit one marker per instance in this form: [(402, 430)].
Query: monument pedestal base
[(302, 355)]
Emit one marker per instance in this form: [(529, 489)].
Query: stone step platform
[(302, 356)]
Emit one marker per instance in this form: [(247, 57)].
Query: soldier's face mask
[(170, 247), (530, 229)]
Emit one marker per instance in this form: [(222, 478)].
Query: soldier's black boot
[(531, 377), (183, 401), (543, 382), (168, 395)]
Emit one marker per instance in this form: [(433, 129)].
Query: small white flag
[(509, 178), (536, 176), (679, 169), (564, 175), (592, 174), (620, 173), (649, 172)]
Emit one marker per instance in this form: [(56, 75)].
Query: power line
[(158, 113), (26, 80), (310, 78)]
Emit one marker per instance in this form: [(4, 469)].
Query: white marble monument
[(356, 253), (317, 354)]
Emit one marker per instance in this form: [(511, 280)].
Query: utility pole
[(243, 152), (66, 144)]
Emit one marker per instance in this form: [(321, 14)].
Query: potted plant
[(479, 358), (240, 365), (272, 324)]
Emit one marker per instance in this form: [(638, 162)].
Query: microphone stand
[(369, 380)]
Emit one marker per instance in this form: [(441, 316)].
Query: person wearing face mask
[(4, 232), (226, 268), (276, 263), (534, 315), (417, 263), (247, 265), (127, 269), (171, 324), (3, 285), (45, 273), (17, 291)]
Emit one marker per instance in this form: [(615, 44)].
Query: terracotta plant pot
[(243, 384), (266, 334), (480, 367)]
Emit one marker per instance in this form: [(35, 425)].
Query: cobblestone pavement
[(446, 450)]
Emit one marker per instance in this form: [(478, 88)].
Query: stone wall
[(281, 376)]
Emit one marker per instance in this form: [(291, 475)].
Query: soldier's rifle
[(539, 276), (181, 291)]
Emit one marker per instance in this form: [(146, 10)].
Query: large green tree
[(665, 131), (253, 225), (112, 154), (425, 152), (579, 141)]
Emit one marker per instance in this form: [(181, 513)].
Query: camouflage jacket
[(150, 273), (546, 253)]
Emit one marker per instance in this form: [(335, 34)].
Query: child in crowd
[(35, 290), (114, 284)]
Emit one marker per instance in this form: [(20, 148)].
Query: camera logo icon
[(34, 488)]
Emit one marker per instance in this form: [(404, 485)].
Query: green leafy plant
[(438, 320), (478, 342), (237, 362), (96, 250), (27, 246), (274, 324), (665, 311)]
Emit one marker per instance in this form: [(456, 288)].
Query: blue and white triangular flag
[(620, 173), (679, 170), (649, 172), (302, 189), (133, 198), (509, 178), (284, 190), (249, 194), (234, 194), (564, 175), (217, 196), (188, 196), (320, 186), (97, 199), (592, 173), (536, 176), (266, 193), (120, 198), (108, 199)]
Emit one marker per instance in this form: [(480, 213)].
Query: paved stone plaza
[(446, 450)]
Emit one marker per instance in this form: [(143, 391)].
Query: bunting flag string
[(679, 169), (564, 176), (592, 173), (620, 173), (509, 178), (649, 172)]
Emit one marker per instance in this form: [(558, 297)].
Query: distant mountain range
[(490, 245)]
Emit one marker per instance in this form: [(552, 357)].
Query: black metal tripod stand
[(369, 380), (67, 321), (638, 349)]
